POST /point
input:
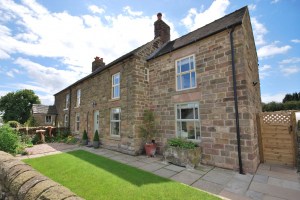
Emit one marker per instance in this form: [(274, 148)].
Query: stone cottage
[(203, 86), (44, 115)]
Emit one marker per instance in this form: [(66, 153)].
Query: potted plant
[(148, 132), (182, 152), (96, 139), (84, 140)]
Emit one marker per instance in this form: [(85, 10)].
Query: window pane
[(186, 81), (178, 112), (191, 130), (115, 128), (115, 114), (198, 134), (178, 67), (193, 79), (178, 131), (116, 92), (196, 112), (187, 113), (116, 79), (192, 62), (184, 133), (178, 83), (185, 65)]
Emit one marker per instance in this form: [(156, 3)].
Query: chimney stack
[(161, 29), (97, 63)]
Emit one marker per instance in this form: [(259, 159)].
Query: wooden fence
[(277, 137)]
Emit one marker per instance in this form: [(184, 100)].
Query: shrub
[(182, 143), (70, 140), (84, 135), (13, 124), (35, 139), (9, 139), (96, 136), (31, 122)]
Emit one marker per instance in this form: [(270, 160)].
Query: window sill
[(115, 137), (115, 99), (66, 109), (77, 107)]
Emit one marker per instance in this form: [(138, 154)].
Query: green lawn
[(95, 177)]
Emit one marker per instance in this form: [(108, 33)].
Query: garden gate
[(277, 137)]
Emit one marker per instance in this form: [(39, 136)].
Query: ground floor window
[(187, 121), (77, 122), (48, 119), (66, 123), (115, 121)]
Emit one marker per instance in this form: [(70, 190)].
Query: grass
[(95, 177)]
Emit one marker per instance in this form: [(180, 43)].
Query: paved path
[(269, 182)]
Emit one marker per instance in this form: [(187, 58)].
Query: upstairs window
[(116, 86), (48, 119), (185, 73), (67, 101), (78, 98), (187, 121)]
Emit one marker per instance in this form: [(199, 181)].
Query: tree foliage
[(291, 97), (17, 105)]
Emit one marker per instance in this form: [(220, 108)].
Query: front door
[(96, 120)]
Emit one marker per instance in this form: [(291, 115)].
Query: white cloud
[(290, 60), (289, 70), (295, 40), (252, 7), (95, 9), (259, 31), (79, 39), (46, 79), (12, 73), (274, 1), (267, 98), (264, 71), (4, 55), (195, 19), (271, 50), (133, 13)]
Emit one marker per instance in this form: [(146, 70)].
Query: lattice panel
[(276, 119)]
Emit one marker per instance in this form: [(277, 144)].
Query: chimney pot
[(97, 63)]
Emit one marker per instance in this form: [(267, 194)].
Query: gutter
[(237, 122), (69, 117)]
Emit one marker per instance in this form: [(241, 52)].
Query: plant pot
[(150, 149), (96, 144), (189, 158), (84, 142)]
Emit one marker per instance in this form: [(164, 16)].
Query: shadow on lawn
[(131, 174)]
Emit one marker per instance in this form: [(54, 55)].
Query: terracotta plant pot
[(150, 149)]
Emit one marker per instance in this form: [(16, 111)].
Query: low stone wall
[(20, 181), (32, 130)]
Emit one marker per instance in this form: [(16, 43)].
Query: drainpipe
[(237, 123)]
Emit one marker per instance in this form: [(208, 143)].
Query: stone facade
[(213, 93)]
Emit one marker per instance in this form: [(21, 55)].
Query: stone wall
[(41, 121), (214, 93), (19, 181), (96, 96)]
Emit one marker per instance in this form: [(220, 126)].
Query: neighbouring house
[(203, 86), (44, 115)]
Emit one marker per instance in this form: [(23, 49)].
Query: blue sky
[(47, 45)]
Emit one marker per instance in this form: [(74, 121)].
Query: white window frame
[(114, 121), (195, 120), (114, 86), (46, 121), (77, 122), (190, 71), (66, 120), (78, 96), (146, 74), (67, 101)]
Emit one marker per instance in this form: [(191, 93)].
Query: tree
[(291, 97), (17, 105)]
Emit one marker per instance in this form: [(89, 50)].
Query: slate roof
[(230, 20), (43, 109)]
